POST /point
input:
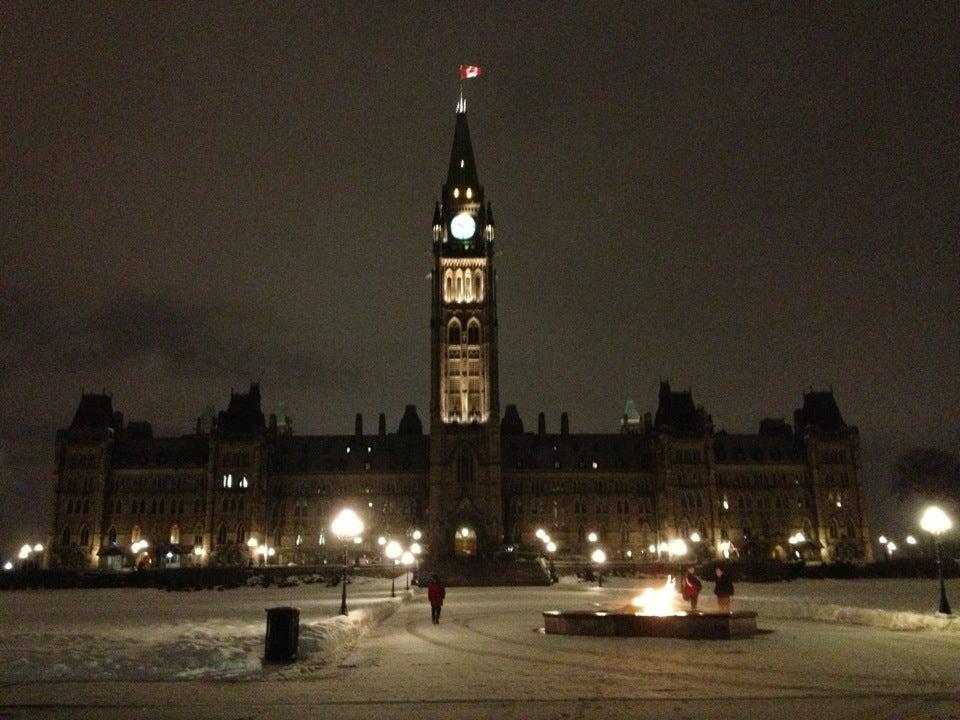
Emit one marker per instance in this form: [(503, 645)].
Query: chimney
[(382, 425), (541, 424), (358, 425), (564, 424)]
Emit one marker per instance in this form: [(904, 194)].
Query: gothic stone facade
[(202, 497)]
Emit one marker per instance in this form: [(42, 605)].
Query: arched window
[(473, 333), (135, 534), (174, 534), (84, 535), (465, 466), (478, 285), (241, 534), (468, 286), (448, 286), (65, 536), (834, 529), (112, 536), (453, 332), (459, 285), (222, 534)]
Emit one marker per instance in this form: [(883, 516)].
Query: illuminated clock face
[(463, 226)]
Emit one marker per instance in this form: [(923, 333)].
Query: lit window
[(461, 163), (456, 192), (348, 450), (244, 483), (594, 464), (469, 193)]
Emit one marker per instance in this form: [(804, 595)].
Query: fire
[(657, 601)]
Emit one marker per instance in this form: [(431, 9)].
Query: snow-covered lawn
[(67, 655), (139, 634), (146, 634)]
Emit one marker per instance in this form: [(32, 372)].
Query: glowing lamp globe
[(551, 547), (598, 556), (911, 540), (407, 558), (25, 552), (935, 521), (393, 550), (416, 548), (417, 534), (540, 533), (252, 543), (695, 537), (592, 537), (347, 524), (38, 548)]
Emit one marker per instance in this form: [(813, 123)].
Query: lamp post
[(393, 551), (599, 557), (936, 522), (407, 559), (347, 526)]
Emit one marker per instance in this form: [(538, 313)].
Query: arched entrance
[(465, 541)]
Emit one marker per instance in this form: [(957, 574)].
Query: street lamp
[(8, 565), (592, 537), (417, 535), (936, 522), (25, 552), (911, 540), (407, 559), (346, 526), (551, 547), (393, 551), (38, 548), (677, 548), (599, 557)]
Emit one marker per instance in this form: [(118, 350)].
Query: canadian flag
[(469, 71)]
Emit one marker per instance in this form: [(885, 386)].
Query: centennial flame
[(657, 601)]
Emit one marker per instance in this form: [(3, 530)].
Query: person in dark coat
[(436, 592), (690, 587), (723, 589)]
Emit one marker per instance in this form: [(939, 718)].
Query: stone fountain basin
[(685, 625)]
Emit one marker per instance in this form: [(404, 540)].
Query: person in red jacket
[(436, 592)]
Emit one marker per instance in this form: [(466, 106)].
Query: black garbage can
[(283, 633)]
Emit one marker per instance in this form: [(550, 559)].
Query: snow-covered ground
[(147, 634), (487, 659)]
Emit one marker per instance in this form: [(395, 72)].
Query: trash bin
[(283, 632)]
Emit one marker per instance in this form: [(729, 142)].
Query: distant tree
[(930, 473)]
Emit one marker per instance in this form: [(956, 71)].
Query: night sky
[(750, 202)]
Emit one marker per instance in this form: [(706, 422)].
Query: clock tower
[(465, 508)]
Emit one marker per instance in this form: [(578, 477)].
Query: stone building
[(475, 481)]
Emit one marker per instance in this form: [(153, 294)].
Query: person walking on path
[(723, 589), (691, 587), (436, 592)]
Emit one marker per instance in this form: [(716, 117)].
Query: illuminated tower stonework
[(465, 492)]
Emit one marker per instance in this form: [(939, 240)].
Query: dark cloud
[(747, 200)]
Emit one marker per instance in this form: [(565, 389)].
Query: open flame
[(657, 601)]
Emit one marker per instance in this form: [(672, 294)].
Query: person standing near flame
[(723, 589), (690, 587)]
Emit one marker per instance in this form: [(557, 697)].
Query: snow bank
[(874, 617), (154, 635)]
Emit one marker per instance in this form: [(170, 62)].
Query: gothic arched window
[(174, 534), (241, 534), (459, 285), (222, 534), (473, 333), (465, 466), (448, 286), (468, 286), (65, 536), (478, 285), (112, 535), (453, 333), (84, 535)]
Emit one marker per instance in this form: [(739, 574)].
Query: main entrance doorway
[(465, 542)]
